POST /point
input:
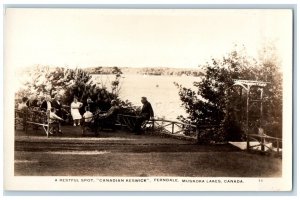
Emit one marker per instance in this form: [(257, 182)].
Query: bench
[(35, 118), (99, 122), (129, 122)]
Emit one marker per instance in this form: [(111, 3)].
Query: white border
[(146, 2)]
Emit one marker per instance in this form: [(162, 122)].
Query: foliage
[(40, 81), (212, 104), (116, 83), (69, 83), (80, 84)]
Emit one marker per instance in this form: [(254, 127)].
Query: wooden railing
[(167, 126), (32, 118), (263, 139), (126, 120), (20, 119), (175, 126)]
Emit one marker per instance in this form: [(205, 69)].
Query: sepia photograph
[(148, 99)]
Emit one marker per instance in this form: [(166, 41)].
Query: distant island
[(154, 71)]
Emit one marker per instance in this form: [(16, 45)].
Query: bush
[(213, 104)]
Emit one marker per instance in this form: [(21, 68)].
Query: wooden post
[(247, 119), (262, 144), (261, 106), (48, 122), (277, 145), (153, 122), (25, 113), (172, 127)]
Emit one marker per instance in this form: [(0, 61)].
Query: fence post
[(262, 144), (248, 142), (153, 122), (277, 145), (48, 122), (25, 116), (172, 127)]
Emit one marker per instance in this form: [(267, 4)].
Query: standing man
[(56, 103), (145, 114)]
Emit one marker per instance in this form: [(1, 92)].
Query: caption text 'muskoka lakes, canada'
[(148, 180)]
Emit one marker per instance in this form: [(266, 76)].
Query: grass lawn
[(189, 164), (124, 154)]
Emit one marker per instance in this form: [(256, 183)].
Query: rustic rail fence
[(175, 127), (29, 118), (167, 126), (263, 141)]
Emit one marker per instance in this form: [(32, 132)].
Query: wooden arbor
[(250, 111)]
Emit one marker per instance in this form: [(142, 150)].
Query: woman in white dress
[(75, 105)]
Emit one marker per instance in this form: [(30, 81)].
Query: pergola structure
[(254, 106)]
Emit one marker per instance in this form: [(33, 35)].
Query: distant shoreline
[(149, 71)]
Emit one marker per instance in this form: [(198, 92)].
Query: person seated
[(145, 114), (88, 115), (20, 113), (54, 121), (23, 104), (112, 111), (88, 120), (109, 118)]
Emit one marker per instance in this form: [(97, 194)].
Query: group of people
[(89, 109), (83, 111), (54, 106)]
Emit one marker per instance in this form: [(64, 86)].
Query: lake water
[(160, 91)]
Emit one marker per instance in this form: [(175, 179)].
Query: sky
[(138, 38)]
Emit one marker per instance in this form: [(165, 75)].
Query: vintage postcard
[(148, 99)]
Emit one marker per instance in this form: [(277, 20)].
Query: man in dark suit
[(56, 103), (145, 114), (109, 118), (46, 105), (91, 104)]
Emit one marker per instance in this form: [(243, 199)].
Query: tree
[(210, 104), (271, 72), (44, 81), (116, 83)]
